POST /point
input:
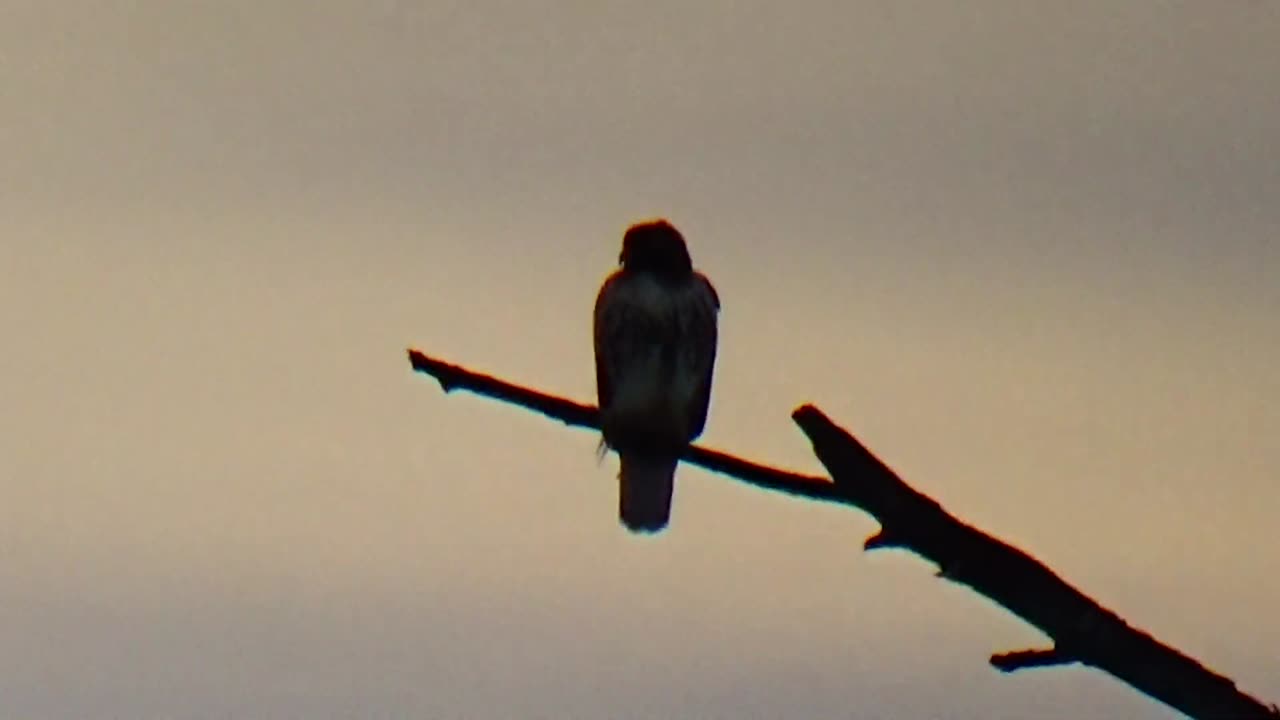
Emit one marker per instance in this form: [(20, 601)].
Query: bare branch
[(1082, 630), (453, 377), (1023, 659)]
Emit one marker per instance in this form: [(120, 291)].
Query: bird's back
[(655, 349)]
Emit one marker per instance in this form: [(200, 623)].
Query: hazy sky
[(1028, 251)]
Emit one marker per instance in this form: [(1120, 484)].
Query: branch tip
[(880, 541), (804, 411), (1024, 659)]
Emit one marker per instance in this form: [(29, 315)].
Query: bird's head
[(655, 247)]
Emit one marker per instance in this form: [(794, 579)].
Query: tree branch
[(1082, 630), (1023, 659), (453, 377)]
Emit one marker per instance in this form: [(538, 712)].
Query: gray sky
[(1027, 251)]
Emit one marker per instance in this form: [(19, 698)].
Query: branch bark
[(453, 377), (1082, 630), (1023, 659)]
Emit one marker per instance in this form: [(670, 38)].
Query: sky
[(1027, 251)]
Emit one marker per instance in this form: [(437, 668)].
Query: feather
[(645, 486)]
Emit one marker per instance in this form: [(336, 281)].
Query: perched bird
[(655, 347)]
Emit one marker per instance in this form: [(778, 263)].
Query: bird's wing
[(702, 312), (606, 326)]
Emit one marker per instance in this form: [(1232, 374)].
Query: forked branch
[(1082, 630)]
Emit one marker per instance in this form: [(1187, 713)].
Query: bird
[(655, 333)]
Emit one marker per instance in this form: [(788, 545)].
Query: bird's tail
[(645, 486)]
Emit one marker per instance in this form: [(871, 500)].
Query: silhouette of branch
[(1022, 659), (1082, 630), (453, 377)]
